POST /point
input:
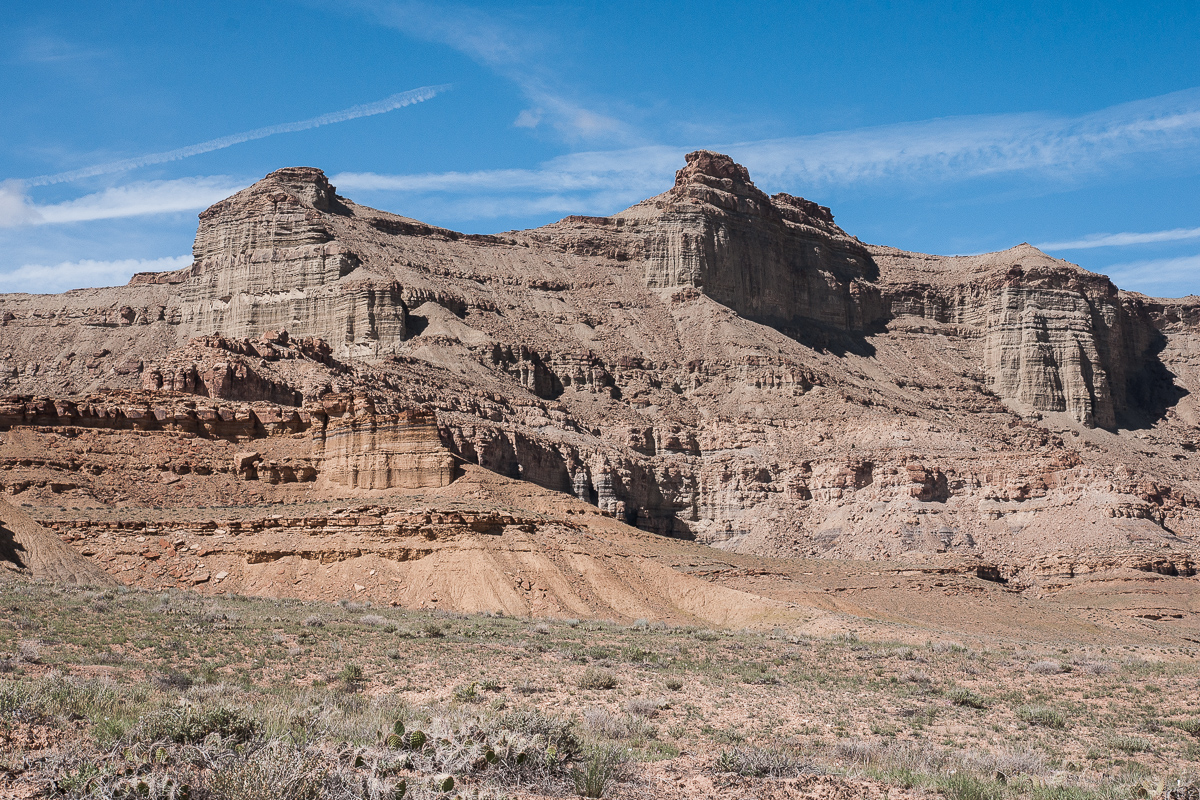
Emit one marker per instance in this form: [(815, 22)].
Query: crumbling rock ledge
[(713, 363)]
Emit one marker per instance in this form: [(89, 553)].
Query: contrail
[(1119, 239), (354, 112)]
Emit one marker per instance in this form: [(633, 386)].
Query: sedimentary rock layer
[(712, 363)]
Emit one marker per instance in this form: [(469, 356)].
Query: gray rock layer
[(711, 363)]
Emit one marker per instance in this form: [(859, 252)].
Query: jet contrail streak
[(354, 112)]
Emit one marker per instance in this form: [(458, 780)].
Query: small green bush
[(962, 786), (468, 693), (1189, 726), (351, 673), (595, 678), (965, 697), (599, 768), (762, 762), (192, 725), (1043, 716), (556, 732), (271, 773), (1131, 744)]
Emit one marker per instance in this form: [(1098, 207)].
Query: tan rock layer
[(895, 403)]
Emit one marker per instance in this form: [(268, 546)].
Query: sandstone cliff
[(712, 364), (778, 260)]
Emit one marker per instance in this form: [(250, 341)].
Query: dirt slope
[(28, 548)]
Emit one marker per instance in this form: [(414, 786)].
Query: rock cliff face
[(267, 260), (712, 364), (385, 451), (778, 260), (1055, 338), (341, 440)]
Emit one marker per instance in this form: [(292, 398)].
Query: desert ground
[(119, 692)]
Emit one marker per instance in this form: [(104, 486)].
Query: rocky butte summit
[(333, 398)]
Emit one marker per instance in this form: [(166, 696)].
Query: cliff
[(778, 260), (266, 259), (712, 363)]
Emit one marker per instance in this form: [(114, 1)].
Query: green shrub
[(965, 697), (109, 730), (468, 693), (595, 678), (962, 786), (762, 762), (1190, 726), (192, 725), (1043, 716), (599, 768), (270, 773), (557, 732), (1131, 744), (14, 696), (351, 673), (1041, 791)]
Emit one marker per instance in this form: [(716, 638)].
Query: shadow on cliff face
[(828, 339), (633, 490), (10, 548), (1151, 390)]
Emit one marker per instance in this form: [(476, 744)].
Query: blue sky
[(943, 127)]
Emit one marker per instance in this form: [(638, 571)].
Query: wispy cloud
[(354, 112), (513, 53), (132, 200), (1122, 239), (44, 279), (950, 149), (1042, 146), (16, 209), (955, 148), (45, 49), (1158, 276)]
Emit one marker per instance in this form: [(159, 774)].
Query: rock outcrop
[(342, 439), (265, 259), (366, 450), (711, 364), (778, 260), (1055, 337)]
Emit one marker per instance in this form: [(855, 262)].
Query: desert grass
[(176, 694)]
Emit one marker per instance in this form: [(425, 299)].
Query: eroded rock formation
[(712, 363)]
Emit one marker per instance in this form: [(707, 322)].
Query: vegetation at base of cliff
[(124, 693)]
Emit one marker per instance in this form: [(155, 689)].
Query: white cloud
[(638, 170), (978, 146), (41, 49), (1122, 239), (15, 208), (1062, 149), (528, 118), (354, 112), (46, 279), (1163, 277), (510, 51), (132, 200)]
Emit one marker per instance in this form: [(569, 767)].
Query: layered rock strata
[(778, 260), (269, 261), (340, 439), (712, 363)]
